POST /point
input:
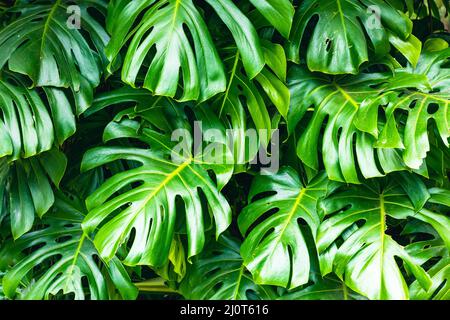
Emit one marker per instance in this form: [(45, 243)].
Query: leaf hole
[(328, 44), (432, 108), (217, 286), (33, 248), (260, 219), (438, 289), (291, 264), (267, 234), (413, 104), (63, 239), (210, 273), (263, 195)]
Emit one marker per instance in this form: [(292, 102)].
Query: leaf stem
[(154, 285), (344, 290)]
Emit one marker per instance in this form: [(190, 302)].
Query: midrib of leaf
[(175, 14), (236, 290), (292, 212), (75, 258), (297, 204), (47, 24), (344, 291), (169, 178), (341, 16), (347, 96), (290, 215), (230, 82), (227, 272)]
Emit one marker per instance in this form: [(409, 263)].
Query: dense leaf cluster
[(95, 203)]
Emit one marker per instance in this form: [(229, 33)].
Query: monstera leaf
[(355, 242), (428, 103), (218, 273), (61, 241), (439, 273), (253, 96), (167, 186), (27, 190), (274, 249), (345, 31), (30, 122), (336, 104), (433, 252), (355, 135), (440, 163), (424, 252), (173, 37), (124, 97), (278, 12), (46, 44), (329, 288)]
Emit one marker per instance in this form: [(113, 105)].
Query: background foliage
[(93, 205)]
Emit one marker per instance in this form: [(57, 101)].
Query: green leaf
[(438, 160), (337, 107), (345, 31), (163, 188), (168, 143), (122, 97), (440, 223), (42, 44), (274, 249), (253, 96), (435, 252), (431, 101), (218, 273), (440, 196), (27, 189), (162, 28), (174, 39), (244, 35), (329, 288), (278, 12), (440, 277), (175, 268), (355, 239), (415, 188), (410, 48), (30, 122), (61, 241)]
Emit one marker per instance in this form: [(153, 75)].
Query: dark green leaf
[(61, 241)]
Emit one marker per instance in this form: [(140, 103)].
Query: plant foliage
[(127, 169)]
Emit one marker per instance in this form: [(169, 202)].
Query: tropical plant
[(136, 139)]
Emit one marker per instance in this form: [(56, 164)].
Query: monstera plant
[(224, 149)]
